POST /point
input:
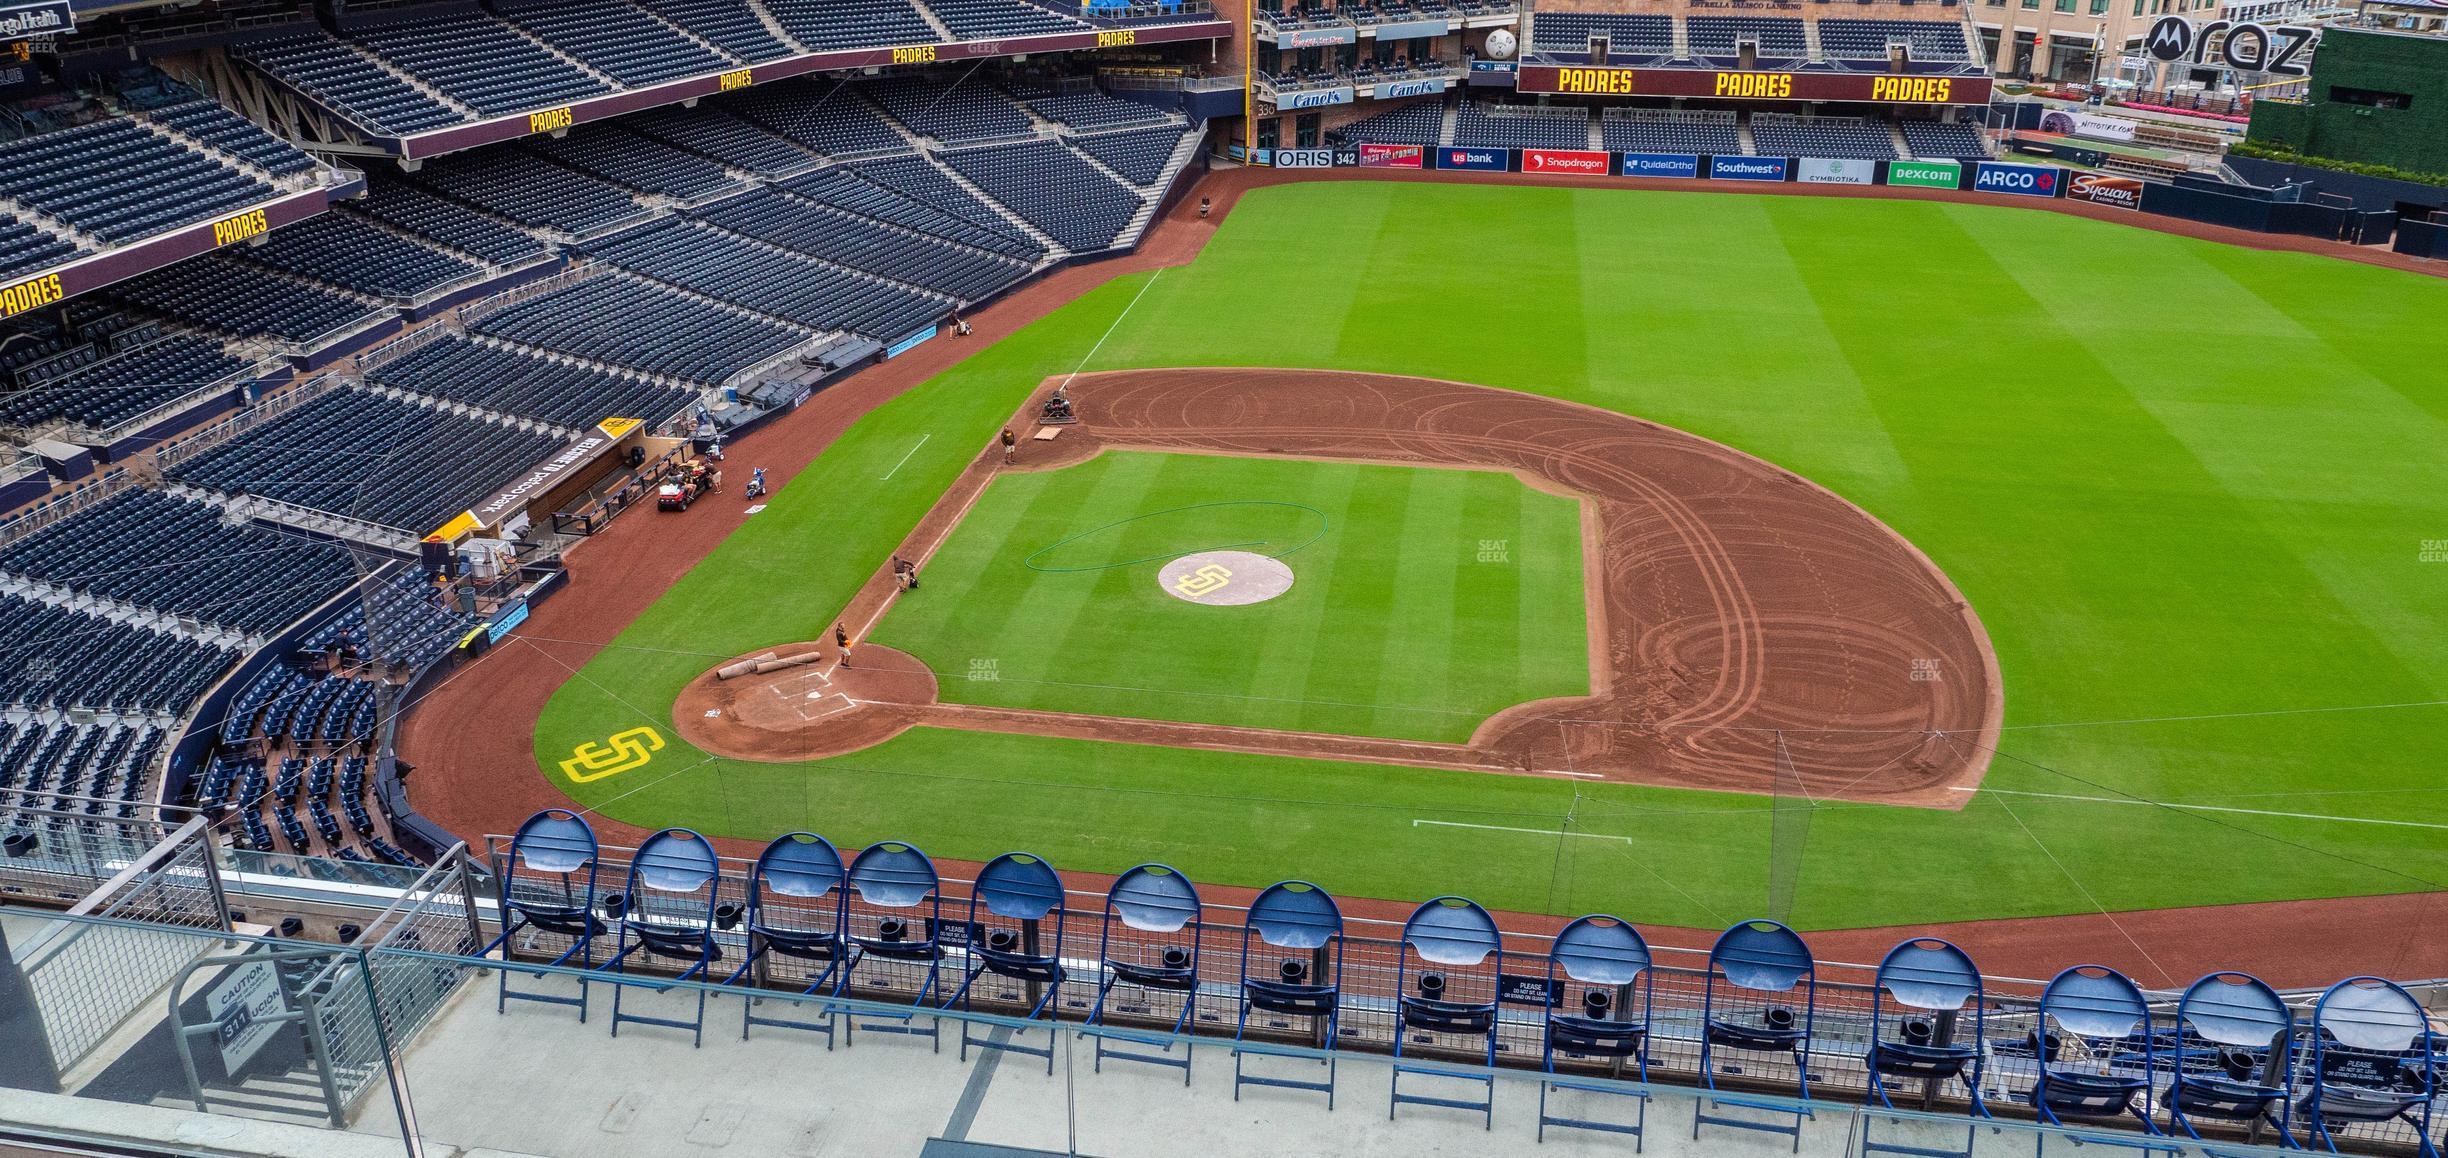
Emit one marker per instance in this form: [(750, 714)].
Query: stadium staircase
[(1682, 41), (1895, 133), (933, 21), (470, 410), (773, 26), (1810, 42), (1054, 249), (1742, 132), (568, 359), (106, 608), (295, 1096), (412, 80), (1445, 129)]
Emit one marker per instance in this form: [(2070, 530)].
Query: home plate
[(830, 705)]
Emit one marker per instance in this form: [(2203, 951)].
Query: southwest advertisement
[(1746, 168)]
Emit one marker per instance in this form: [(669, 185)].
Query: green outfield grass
[(2191, 490), (1398, 624)]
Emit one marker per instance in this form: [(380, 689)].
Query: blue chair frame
[(1925, 984), (1156, 900), (1610, 957), (2239, 1014), (1017, 889), (1454, 932), (554, 843), (2371, 1060), (1763, 957), (2101, 1009), (894, 877), (799, 875), (661, 917), (1299, 916)]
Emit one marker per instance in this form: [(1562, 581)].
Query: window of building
[(2369, 97)]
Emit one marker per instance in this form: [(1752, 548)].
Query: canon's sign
[(2245, 47)]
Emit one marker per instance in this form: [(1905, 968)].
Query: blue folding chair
[(670, 910), (548, 887), (1160, 955), (1608, 957), (1008, 906), (795, 902), (1300, 917), (890, 884), (1917, 1003), (2234, 1056), (2094, 1051), (2372, 1062), (1457, 1001), (1754, 964)]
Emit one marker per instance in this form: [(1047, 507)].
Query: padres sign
[(623, 751), (1225, 578)]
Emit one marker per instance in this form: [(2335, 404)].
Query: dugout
[(606, 454)]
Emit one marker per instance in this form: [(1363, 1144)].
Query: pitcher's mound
[(1225, 578)]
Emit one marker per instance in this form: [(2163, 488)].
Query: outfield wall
[(2253, 208)]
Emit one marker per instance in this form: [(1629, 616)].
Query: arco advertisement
[(2017, 180)]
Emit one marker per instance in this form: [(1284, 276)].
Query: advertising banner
[(1304, 158), (1601, 80), (1503, 66), (2016, 180), (1388, 90), (2102, 189), (47, 18), (1746, 168), (1346, 157), (1314, 98), (1834, 171), (1316, 37), (1477, 160), (2082, 124), (1390, 156), (1660, 165), (1414, 29), (1586, 162), (1926, 174)]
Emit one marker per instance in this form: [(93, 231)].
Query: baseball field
[(2196, 496)]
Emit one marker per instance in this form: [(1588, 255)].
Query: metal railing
[(89, 979), (1371, 953)]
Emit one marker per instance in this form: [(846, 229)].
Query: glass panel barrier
[(114, 1028)]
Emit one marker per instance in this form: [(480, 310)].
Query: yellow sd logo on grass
[(1205, 581), (624, 751)]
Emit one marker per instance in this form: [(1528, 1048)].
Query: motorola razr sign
[(2244, 47)]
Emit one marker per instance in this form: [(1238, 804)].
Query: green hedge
[(2270, 152)]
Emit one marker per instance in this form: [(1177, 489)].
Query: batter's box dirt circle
[(1225, 578)]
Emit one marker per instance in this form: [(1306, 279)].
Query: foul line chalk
[(2208, 808)]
